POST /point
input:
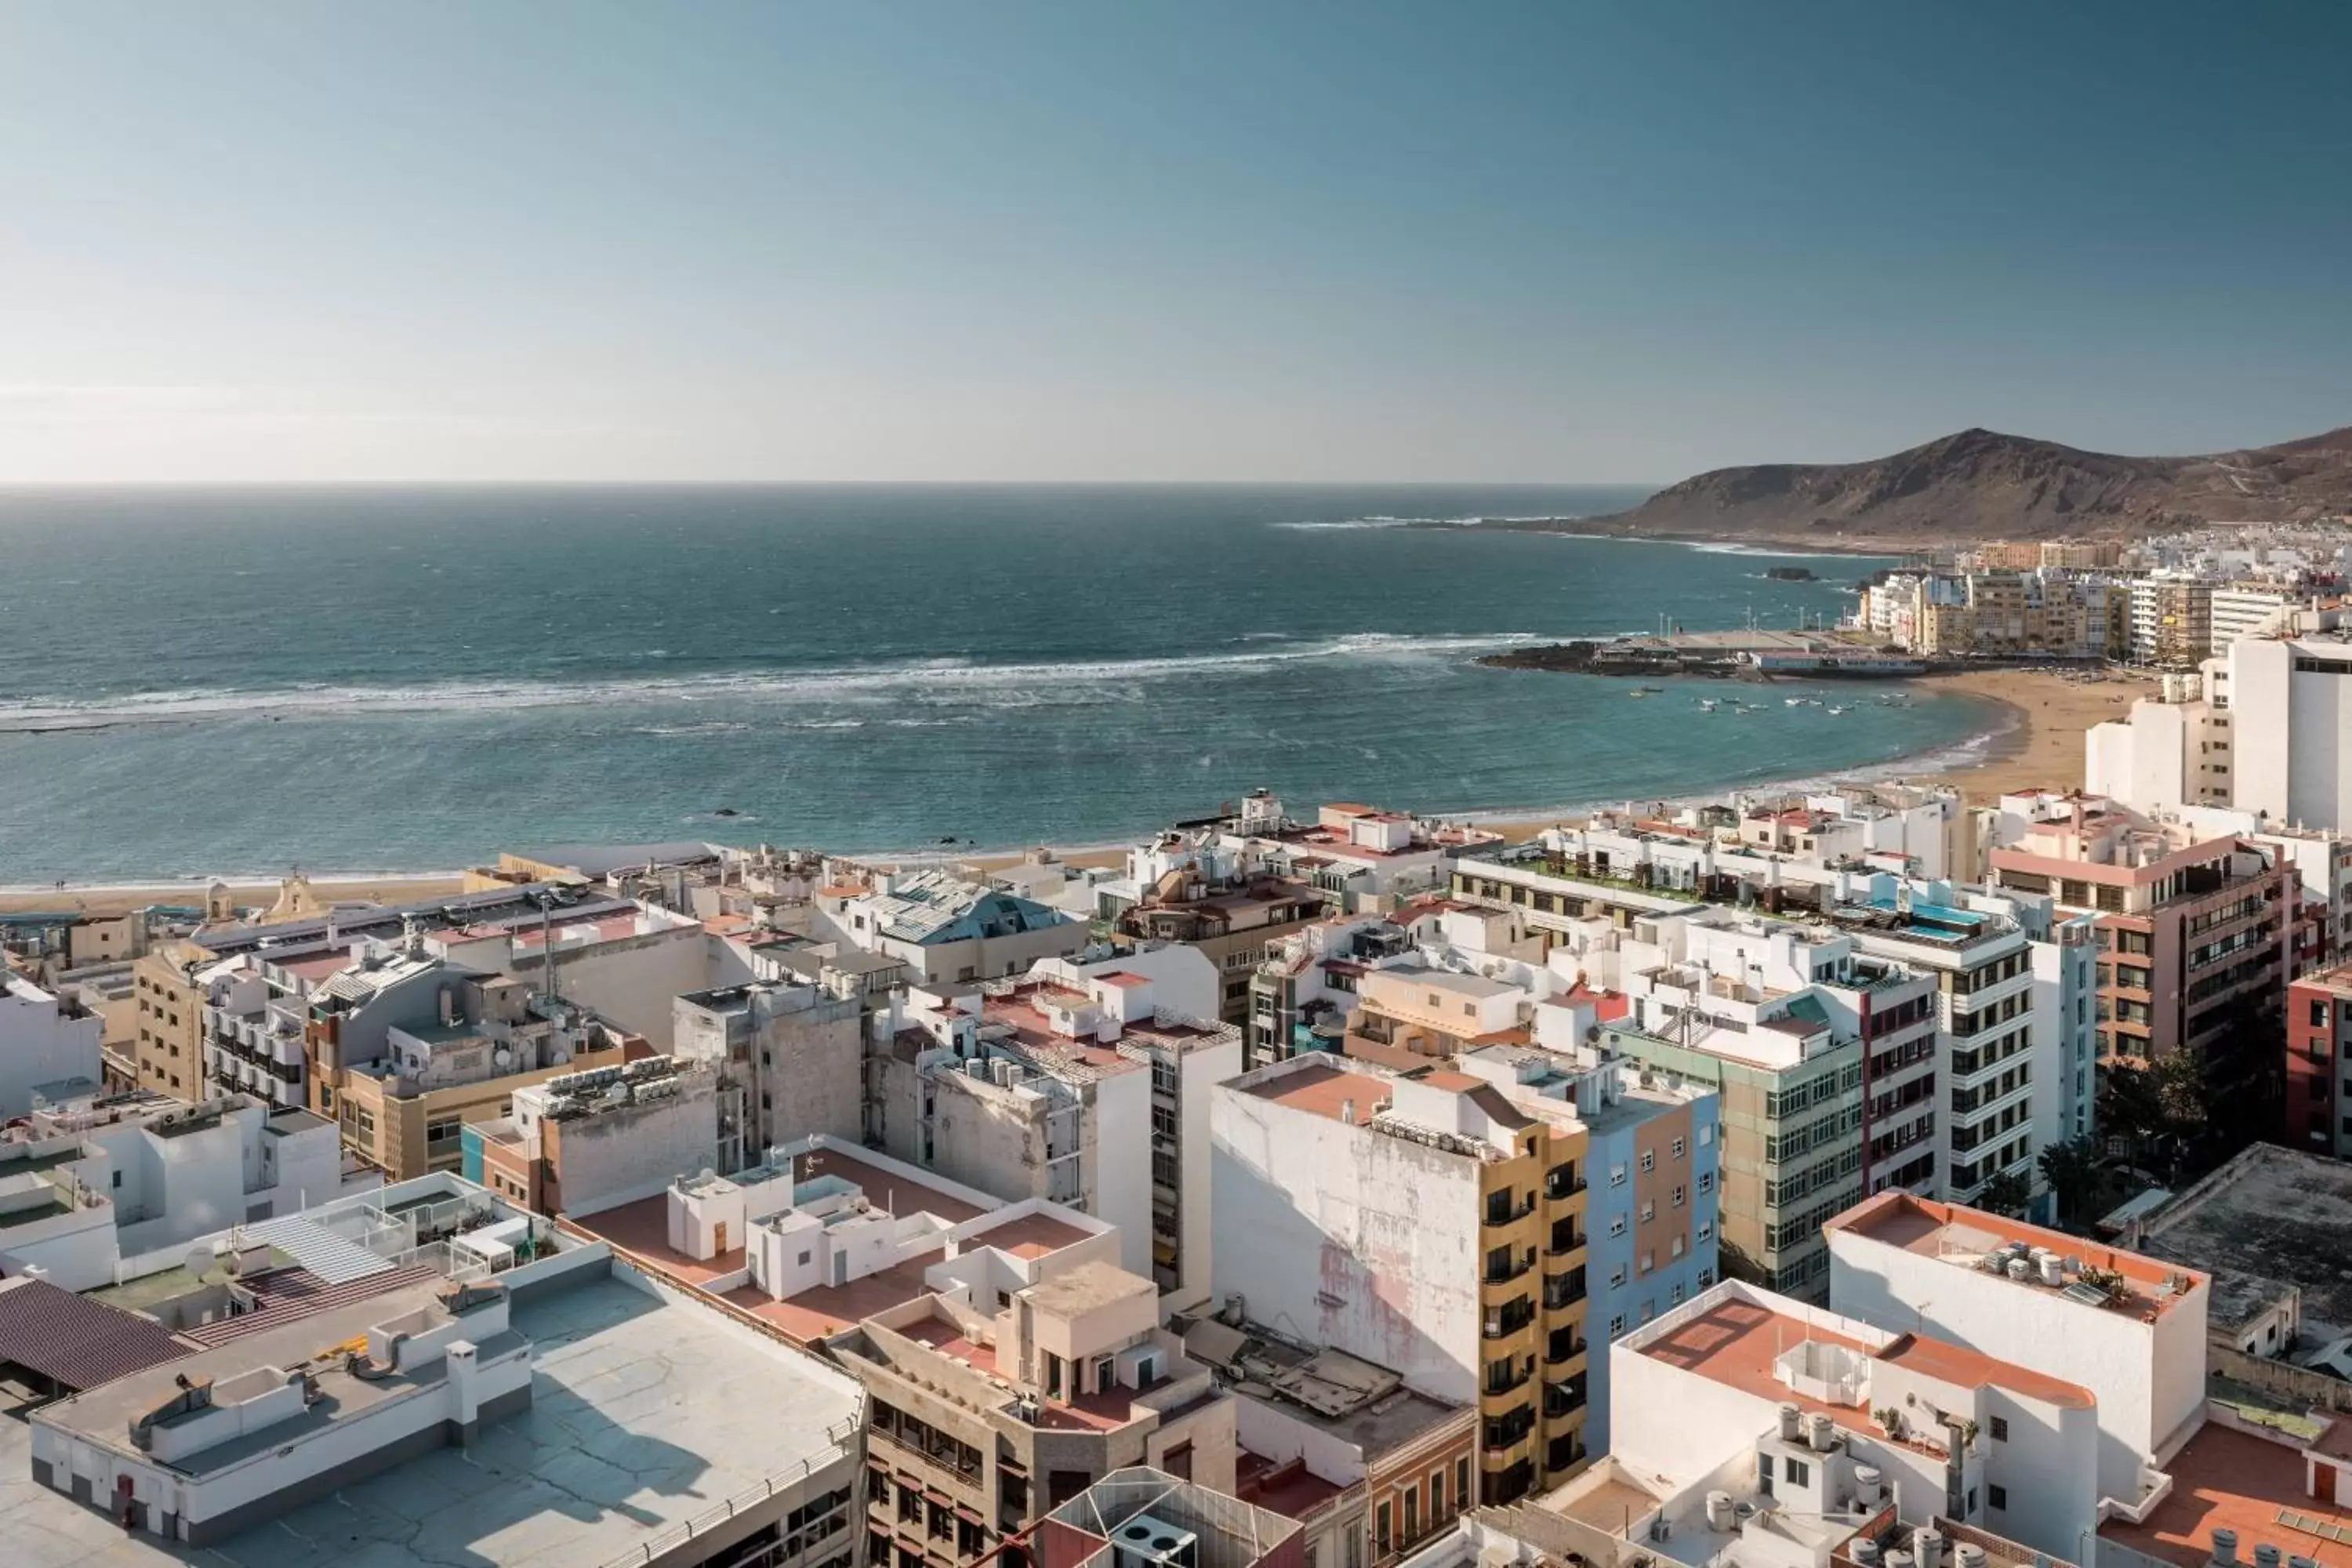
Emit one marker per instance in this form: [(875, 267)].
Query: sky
[(1572, 241)]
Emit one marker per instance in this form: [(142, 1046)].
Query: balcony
[(1501, 1210), (1563, 1349), (1565, 1241), (1563, 1397), (1503, 1271), (1513, 1318), (1975, 1001), (1563, 1290), (1562, 1182)]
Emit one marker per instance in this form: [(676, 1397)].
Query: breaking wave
[(994, 684)]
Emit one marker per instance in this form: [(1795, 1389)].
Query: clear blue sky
[(1579, 241)]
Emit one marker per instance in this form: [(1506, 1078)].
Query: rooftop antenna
[(546, 902)]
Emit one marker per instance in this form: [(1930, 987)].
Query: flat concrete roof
[(624, 1441), (2271, 1220), (102, 1415)]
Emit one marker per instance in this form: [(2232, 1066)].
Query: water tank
[(1867, 1478), (2225, 1546), (2302, 1563), (1928, 1548), (1900, 1560), (2019, 1268), (2052, 1270), (1821, 1432), (1866, 1552), (1718, 1510), (2268, 1556), (1790, 1418), (1968, 1554)]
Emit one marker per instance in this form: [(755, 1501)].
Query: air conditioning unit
[(1146, 1542)]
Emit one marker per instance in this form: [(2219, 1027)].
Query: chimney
[(465, 1389)]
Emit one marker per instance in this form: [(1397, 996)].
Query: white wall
[(632, 983), (259, 1476), (2148, 1380), (633, 1152), (1272, 1433), (1199, 1074), (1122, 1161), (2292, 733), (38, 1045), (1350, 1238)]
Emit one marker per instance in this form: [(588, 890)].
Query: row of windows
[(1405, 1506)]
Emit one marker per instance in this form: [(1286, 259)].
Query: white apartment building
[(50, 1047), (379, 1397), (2131, 1330), (1744, 1409), (1075, 1083), (2173, 751), (92, 1190), (2291, 703), (2241, 611)]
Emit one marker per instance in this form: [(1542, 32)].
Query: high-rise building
[(2291, 707), (1435, 1224), (2194, 930)]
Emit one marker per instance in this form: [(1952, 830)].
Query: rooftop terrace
[(1970, 1238)]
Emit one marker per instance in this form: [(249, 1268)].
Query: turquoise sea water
[(215, 681)]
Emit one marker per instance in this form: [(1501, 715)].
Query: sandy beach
[(2044, 744), (115, 900)]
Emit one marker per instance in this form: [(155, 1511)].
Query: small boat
[(1645, 692), (1835, 712), (1710, 704), (1794, 702)]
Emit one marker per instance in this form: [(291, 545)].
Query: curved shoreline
[(2033, 735)]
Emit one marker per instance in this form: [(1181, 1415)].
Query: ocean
[(222, 681)]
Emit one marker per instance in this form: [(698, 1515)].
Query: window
[(1649, 1260), (1648, 1160), (1649, 1210), (1617, 1224), (1797, 1472), (1462, 1483), (1707, 1230), (1617, 1277), (1999, 1433), (1679, 1247), (1706, 1182), (1617, 1327), (1705, 1136), (1678, 1148), (1436, 1496), (1676, 1298), (1678, 1197), (1616, 1175), (1380, 1530), (1997, 1497)]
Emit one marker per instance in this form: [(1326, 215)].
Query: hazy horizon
[(1053, 244)]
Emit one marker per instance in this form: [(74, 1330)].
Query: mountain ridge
[(1984, 484)]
